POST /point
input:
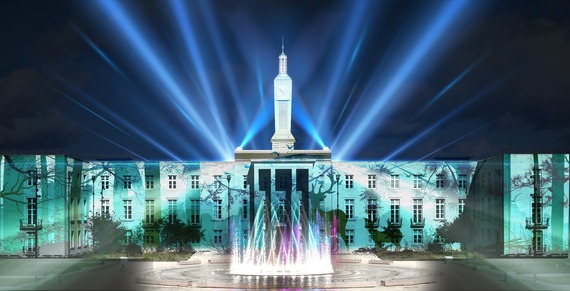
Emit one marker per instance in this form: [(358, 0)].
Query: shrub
[(133, 249)]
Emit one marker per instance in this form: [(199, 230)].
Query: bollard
[(509, 276), (124, 262)]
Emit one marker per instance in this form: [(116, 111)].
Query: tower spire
[(282, 140), (282, 58)]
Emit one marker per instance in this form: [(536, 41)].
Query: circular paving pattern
[(345, 276)]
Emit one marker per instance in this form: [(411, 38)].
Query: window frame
[(194, 181), (349, 208), (394, 181), (172, 182), (417, 181), (371, 181), (149, 182), (128, 209), (349, 181), (127, 182), (439, 208)]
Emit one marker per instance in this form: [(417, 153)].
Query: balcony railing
[(372, 223), (149, 224), (29, 225), (417, 223), (542, 224), (395, 222), (29, 251), (198, 223)]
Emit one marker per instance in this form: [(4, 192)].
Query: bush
[(133, 249)]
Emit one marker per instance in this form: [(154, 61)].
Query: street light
[(93, 200), (335, 213), (337, 183), (229, 178), (34, 174)]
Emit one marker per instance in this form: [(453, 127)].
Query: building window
[(439, 181), (171, 181), (128, 237), (218, 180), (348, 180), (281, 213), (30, 242), (371, 181), (372, 209), (105, 208), (32, 179), (217, 236), (349, 207), (245, 210), (417, 210), (245, 235), (127, 182), (417, 182), (418, 236), (194, 181), (85, 209), (195, 211), (104, 182), (172, 216), (244, 181), (149, 181), (69, 176), (149, 211), (350, 236), (462, 181), (281, 182), (128, 209), (440, 208), (439, 239), (32, 210), (461, 205), (395, 181), (218, 209), (78, 210), (149, 237), (71, 210), (79, 239), (394, 210)]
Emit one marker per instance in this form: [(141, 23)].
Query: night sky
[(372, 80)]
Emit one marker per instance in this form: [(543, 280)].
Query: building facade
[(518, 204), (512, 203), (415, 197)]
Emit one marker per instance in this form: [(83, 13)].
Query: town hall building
[(513, 203)]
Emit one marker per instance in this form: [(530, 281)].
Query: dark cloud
[(528, 41), (29, 116)]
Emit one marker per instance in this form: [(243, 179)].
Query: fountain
[(282, 243)]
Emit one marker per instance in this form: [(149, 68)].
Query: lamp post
[(229, 178), (335, 213), (93, 200), (34, 175), (337, 183)]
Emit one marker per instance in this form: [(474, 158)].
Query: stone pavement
[(491, 274)]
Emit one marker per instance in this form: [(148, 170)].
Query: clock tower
[(282, 140)]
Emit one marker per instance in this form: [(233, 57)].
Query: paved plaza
[(81, 274)]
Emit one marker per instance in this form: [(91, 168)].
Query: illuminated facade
[(46, 200)]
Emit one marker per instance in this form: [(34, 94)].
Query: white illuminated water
[(299, 247)]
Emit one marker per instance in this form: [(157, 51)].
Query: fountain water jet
[(282, 244)]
